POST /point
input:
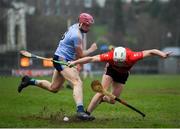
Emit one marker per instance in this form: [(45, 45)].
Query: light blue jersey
[(68, 43)]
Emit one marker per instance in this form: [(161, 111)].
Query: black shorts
[(58, 66), (116, 76)]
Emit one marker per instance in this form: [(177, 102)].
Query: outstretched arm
[(85, 60), (152, 52)]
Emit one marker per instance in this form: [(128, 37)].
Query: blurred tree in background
[(137, 24), (170, 16), (44, 32)]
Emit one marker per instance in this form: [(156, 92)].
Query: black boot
[(85, 116), (24, 83)]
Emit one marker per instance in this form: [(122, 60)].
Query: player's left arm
[(79, 48), (83, 53), (90, 50), (153, 52)]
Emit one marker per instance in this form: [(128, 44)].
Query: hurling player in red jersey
[(119, 61)]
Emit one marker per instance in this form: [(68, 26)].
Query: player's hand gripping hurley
[(30, 55), (97, 87)]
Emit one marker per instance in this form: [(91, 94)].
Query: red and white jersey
[(122, 67)]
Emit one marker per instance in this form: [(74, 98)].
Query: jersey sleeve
[(76, 41), (134, 56), (107, 57)]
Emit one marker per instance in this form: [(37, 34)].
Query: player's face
[(85, 27)]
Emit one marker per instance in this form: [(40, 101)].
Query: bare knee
[(49, 86), (53, 89), (76, 81), (109, 100), (100, 95)]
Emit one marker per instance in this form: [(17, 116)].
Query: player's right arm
[(105, 57), (85, 60)]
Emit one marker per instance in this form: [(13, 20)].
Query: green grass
[(158, 96)]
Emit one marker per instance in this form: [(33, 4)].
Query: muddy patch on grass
[(54, 117)]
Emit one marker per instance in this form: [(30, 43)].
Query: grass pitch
[(158, 96)]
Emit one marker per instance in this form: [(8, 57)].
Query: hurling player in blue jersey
[(70, 48)]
